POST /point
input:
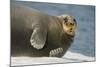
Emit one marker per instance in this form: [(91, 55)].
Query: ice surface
[(67, 58)]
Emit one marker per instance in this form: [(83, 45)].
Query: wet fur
[(21, 32)]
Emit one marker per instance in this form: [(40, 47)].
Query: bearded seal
[(37, 34)]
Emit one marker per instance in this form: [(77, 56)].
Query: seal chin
[(71, 33)]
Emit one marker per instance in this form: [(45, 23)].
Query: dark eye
[(65, 19), (74, 20)]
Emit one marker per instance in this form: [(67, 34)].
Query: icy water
[(84, 42)]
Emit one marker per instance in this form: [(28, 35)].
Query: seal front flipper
[(38, 37), (56, 52)]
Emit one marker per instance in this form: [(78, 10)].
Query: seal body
[(25, 22)]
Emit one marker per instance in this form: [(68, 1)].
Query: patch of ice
[(77, 56), (67, 58)]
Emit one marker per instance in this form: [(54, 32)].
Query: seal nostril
[(70, 29), (71, 23)]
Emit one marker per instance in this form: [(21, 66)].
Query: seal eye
[(74, 20), (65, 19)]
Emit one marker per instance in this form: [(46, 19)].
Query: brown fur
[(23, 21)]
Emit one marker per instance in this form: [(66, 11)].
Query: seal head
[(69, 24)]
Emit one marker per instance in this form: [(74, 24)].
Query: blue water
[(84, 42)]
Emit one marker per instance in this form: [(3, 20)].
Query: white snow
[(67, 58), (77, 56)]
